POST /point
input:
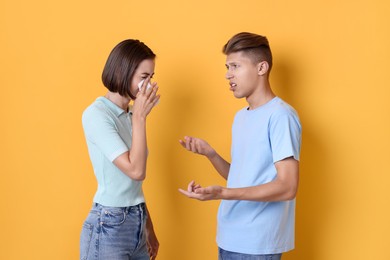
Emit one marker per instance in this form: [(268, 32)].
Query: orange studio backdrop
[(330, 63)]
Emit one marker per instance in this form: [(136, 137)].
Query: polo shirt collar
[(113, 107)]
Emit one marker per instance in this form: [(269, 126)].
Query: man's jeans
[(114, 233), (227, 255)]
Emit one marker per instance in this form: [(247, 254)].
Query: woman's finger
[(145, 84), (151, 94)]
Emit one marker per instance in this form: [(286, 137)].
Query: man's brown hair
[(255, 46), (122, 63)]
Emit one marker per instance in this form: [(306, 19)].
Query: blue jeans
[(114, 233), (227, 255)]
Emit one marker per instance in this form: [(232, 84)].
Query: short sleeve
[(100, 130), (285, 136)]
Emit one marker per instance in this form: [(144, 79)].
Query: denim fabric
[(114, 233), (227, 255)]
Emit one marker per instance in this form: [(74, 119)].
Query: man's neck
[(260, 97)]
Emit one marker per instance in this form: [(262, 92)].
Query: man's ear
[(262, 68)]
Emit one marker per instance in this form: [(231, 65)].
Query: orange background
[(331, 63)]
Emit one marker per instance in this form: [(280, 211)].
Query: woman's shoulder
[(95, 110)]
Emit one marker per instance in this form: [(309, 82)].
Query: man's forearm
[(272, 191), (220, 164)]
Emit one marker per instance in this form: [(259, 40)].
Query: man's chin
[(237, 95)]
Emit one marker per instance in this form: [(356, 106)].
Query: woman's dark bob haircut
[(121, 65)]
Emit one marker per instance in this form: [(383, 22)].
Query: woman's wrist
[(138, 117)]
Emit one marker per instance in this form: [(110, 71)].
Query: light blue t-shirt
[(108, 132), (260, 138)]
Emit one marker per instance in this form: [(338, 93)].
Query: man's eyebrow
[(230, 63)]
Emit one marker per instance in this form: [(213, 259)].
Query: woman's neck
[(118, 100)]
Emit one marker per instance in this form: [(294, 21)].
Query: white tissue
[(147, 87), (142, 82)]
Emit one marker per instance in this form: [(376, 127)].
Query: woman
[(119, 226)]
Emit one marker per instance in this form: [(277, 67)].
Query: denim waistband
[(140, 207)]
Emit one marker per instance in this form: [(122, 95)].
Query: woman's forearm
[(138, 152)]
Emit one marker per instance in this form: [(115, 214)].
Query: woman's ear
[(262, 68)]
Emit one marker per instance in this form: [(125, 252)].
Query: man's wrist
[(211, 155), (225, 193)]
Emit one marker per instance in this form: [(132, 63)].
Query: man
[(257, 214)]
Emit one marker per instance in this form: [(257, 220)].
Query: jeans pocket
[(85, 240), (275, 257), (113, 217)]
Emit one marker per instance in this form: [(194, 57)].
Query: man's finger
[(184, 192), (190, 187), (182, 143), (188, 143), (193, 145)]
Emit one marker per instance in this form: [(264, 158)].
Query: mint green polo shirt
[(108, 132)]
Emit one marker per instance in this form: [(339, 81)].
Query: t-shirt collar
[(112, 106)]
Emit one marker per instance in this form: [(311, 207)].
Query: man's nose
[(228, 75)]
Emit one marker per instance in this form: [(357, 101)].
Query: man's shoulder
[(284, 114), (282, 108)]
